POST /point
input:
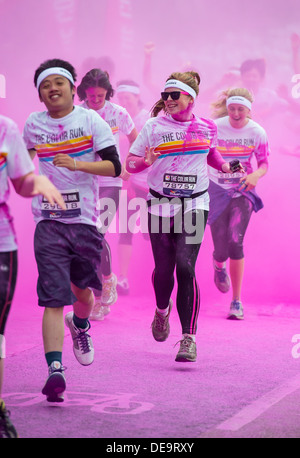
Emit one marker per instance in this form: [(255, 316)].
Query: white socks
[(163, 312), (192, 336)]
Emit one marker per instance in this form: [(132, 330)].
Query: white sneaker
[(236, 311), (82, 343), (97, 312), (105, 309), (109, 291), (123, 286)]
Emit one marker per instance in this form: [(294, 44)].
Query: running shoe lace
[(160, 322), (222, 275), (83, 341), (236, 305), (185, 344)]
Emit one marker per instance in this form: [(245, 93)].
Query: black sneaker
[(160, 325), (7, 429), (221, 279), (56, 383), (187, 351)]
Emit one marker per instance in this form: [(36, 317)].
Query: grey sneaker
[(236, 311), (7, 429), (161, 326), (187, 350), (221, 279), (82, 341), (97, 312), (109, 290), (56, 383)]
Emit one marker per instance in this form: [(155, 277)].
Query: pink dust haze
[(146, 41)]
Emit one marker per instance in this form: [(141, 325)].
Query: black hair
[(55, 63), (258, 64), (95, 78)]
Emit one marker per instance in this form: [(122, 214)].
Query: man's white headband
[(128, 88), (54, 71), (240, 100), (180, 85)]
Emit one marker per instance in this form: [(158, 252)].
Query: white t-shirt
[(181, 169), (119, 120), (15, 162), (80, 134), (244, 144)]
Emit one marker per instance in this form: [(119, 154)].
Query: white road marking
[(261, 405)]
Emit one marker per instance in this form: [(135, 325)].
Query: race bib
[(180, 185), (72, 200), (229, 178)]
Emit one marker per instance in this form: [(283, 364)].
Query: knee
[(184, 271), (236, 250), (85, 296)]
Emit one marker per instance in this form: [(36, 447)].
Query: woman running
[(176, 148), (95, 90), (233, 197)]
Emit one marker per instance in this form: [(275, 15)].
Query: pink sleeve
[(135, 164), (214, 159)]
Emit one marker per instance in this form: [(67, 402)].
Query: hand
[(63, 160), (226, 167), (236, 166), (124, 174), (248, 182), (151, 156), (42, 185)]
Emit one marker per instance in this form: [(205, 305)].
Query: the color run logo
[(296, 88)]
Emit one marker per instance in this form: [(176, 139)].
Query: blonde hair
[(219, 109), (190, 78)]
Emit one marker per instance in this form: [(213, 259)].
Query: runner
[(177, 148), (16, 165), (69, 142), (233, 197), (95, 90)]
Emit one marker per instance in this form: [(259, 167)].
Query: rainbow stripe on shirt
[(73, 148), (115, 130), (242, 153), (183, 147), (3, 162)]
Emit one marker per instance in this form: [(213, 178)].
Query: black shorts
[(65, 254)]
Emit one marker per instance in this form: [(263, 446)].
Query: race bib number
[(229, 178), (72, 201), (180, 185)]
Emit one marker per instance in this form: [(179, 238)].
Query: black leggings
[(8, 278), (170, 250), (229, 229)]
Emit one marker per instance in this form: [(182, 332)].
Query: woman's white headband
[(180, 85), (54, 71), (240, 100), (128, 88)]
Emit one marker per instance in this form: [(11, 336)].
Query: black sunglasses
[(174, 95)]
